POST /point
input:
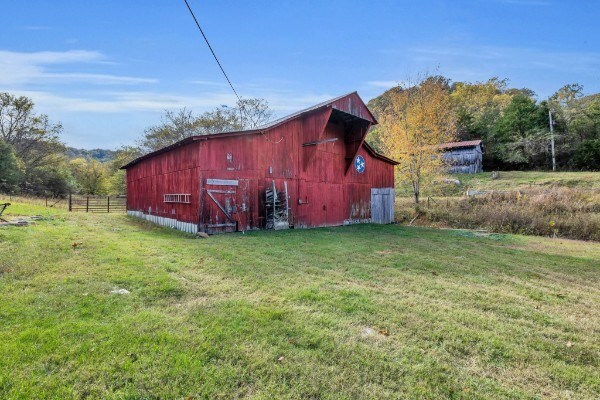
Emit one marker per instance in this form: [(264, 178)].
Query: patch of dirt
[(375, 333)]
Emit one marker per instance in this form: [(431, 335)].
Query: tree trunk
[(416, 190)]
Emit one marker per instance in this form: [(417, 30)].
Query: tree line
[(415, 118), (34, 161), (513, 123)]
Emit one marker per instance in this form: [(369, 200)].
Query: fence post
[(70, 202), (87, 204), (108, 204)]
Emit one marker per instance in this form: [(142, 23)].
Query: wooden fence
[(98, 204)]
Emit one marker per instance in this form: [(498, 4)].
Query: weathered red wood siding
[(323, 187), (329, 192)]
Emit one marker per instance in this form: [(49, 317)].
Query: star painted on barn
[(359, 164)]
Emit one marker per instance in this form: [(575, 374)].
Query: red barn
[(310, 169)]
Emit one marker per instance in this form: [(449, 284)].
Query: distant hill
[(101, 155)]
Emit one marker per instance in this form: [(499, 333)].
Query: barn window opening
[(177, 198)]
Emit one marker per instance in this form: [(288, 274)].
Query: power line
[(242, 107), (211, 50)]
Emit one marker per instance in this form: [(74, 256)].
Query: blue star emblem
[(359, 164)]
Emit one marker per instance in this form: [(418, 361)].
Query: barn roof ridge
[(296, 114), (262, 128)]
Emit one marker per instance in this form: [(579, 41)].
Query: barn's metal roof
[(456, 145), (261, 129)]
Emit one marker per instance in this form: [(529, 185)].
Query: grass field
[(350, 312), (515, 180), (565, 204)]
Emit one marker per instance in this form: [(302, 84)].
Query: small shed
[(310, 169), (463, 157)]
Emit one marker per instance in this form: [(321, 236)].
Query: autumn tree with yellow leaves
[(418, 118)]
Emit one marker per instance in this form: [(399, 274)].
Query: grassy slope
[(524, 202), (514, 180), (508, 180), (468, 316)]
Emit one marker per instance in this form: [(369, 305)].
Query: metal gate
[(97, 204), (382, 205)]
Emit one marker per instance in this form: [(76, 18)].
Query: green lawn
[(350, 312)]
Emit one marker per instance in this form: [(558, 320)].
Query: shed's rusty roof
[(456, 145)]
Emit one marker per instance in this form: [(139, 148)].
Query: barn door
[(382, 205), (219, 210)]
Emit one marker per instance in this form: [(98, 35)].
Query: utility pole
[(552, 140)]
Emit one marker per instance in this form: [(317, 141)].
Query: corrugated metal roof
[(454, 145)]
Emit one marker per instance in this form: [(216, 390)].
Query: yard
[(351, 312)]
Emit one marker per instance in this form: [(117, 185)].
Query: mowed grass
[(350, 312)]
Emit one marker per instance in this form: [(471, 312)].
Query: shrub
[(587, 155)]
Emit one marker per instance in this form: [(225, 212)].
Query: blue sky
[(108, 69)]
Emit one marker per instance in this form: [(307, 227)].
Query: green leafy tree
[(565, 102), (10, 172), (33, 137), (34, 140), (90, 176), (587, 155), (176, 126), (521, 135), (55, 180), (117, 184)]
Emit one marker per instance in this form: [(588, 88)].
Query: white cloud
[(50, 57), (35, 28), (17, 69), (102, 79), (141, 101), (123, 102), (205, 83)]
